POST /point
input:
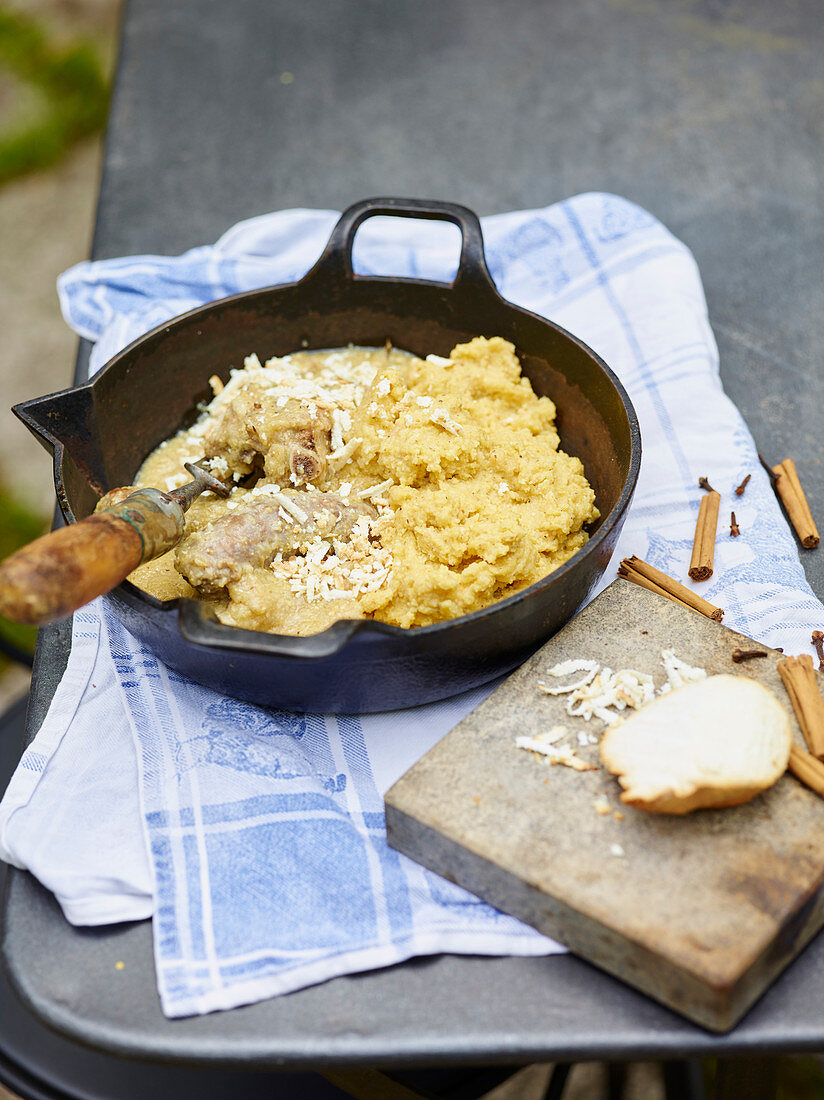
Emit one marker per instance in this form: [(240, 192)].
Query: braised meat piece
[(252, 534), (256, 431)]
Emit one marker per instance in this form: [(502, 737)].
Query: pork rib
[(252, 534)]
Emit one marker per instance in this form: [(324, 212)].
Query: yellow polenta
[(371, 483), (480, 510)]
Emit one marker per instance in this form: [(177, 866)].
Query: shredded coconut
[(443, 420), (373, 490), (336, 384), (337, 430), (341, 456), (288, 505), (679, 672), (603, 694), (333, 569), (567, 668), (564, 755), (219, 466)]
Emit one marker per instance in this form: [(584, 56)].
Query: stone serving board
[(701, 912)]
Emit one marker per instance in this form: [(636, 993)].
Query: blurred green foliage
[(18, 525), (72, 87), (67, 86)]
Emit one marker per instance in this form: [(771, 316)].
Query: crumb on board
[(617, 850)]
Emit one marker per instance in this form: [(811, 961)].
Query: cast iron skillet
[(101, 432)]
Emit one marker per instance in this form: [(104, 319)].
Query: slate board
[(701, 912)]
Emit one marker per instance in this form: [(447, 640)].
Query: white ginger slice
[(716, 742)]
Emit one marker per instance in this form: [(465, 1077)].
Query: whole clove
[(818, 643), (770, 473), (741, 655), (704, 484), (734, 529), (739, 490)]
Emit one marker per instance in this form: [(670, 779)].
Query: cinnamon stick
[(792, 497), (802, 687), (703, 547), (647, 576), (806, 768)]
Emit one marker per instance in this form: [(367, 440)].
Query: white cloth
[(254, 837)]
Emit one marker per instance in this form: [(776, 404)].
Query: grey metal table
[(710, 115)]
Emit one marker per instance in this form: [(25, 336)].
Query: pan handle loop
[(335, 263)]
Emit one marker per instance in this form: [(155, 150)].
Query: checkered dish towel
[(255, 838)]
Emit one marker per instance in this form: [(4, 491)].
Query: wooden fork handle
[(56, 574)]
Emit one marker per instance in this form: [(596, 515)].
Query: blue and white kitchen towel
[(255, 838)]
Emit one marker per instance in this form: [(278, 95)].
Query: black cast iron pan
[(101, 432)]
